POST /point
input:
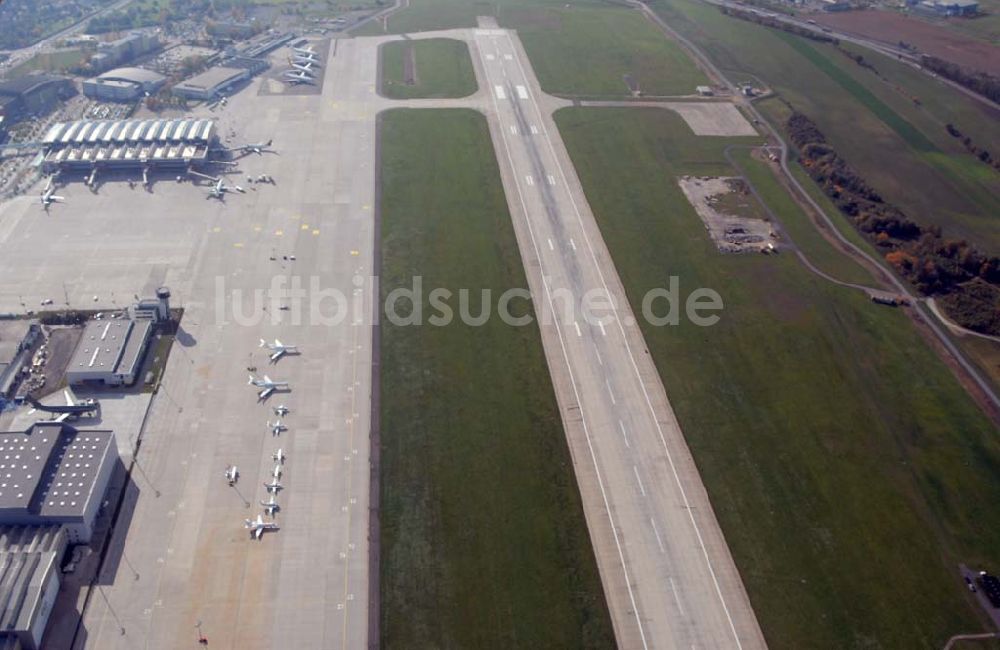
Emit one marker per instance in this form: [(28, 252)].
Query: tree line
[(982, 154), (767, 21), (978, 82), (963, 280)]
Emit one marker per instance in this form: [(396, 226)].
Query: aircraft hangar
[(151, 144)]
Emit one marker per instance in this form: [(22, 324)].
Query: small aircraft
[(278, 456), (304, 51), (278, 349), (303, 59), (276, 428), (219, 189), (73, 408), (268, 385), (281, 410), (49, 196), (299, 77), (232, 474), (270, 506), (256, 147), (258, 526), (274, 486)]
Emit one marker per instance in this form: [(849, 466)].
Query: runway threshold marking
[(552, 179), (513, 129), (498, 90), (530, 180), (534, 130), (522, 92)]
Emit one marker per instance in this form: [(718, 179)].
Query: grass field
[(484, 543), (585, 47), (442, 68), (849, 470), (899, 145)]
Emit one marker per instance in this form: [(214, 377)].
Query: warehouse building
[(110, 352), (123, 84), (55, 474), (122, 144), (211, 84), (29, 582), (33, 94)]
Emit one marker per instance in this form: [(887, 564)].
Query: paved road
[(670, 580)]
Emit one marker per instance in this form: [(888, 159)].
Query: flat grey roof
[(212, 78), (50, 470), (101, 346), (133, 348)]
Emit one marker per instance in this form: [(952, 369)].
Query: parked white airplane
[(281, 410), (256, 147), (305, 51), (219, 189), (232, 474), (267, 384), (278, 349), (276, 428), (258, 526), (274, 486), (308, 68), (298, 77), (278, 456), (49, 195), (270, 506), (74, 407), (305, 58)]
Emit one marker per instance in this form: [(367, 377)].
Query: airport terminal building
[(151, 144)]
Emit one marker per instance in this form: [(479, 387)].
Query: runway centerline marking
[(601, 325), (656, 532), (642, 489), (577, 326), (551, 247), (572, 243), (621, 427), (677, 597), (611, 393)]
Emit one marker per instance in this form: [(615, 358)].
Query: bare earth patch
[(729, 213), (713, 118)]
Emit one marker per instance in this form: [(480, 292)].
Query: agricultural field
[(845, 463), (890, 126), (483, 538), (584, 48), (432, 68)]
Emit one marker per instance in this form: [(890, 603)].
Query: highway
[(668, 574)]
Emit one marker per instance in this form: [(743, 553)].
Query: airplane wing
[(265, 393), (278, 344), (257, 532), (277, 355), (205, 176), (62, 418), (69, 398), (263, 343), (56, 198), (267, 380)]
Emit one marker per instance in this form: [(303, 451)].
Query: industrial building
[(211, 83), (110, 352), (123, 84), (29, 582), (123, 50), (947, 7), (121, 144), (33, 94), (54, 473), (17, 338)]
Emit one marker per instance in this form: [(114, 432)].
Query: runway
[(668, 575)]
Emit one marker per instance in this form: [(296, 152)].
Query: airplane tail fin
[(250, 380), (262, 343)]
